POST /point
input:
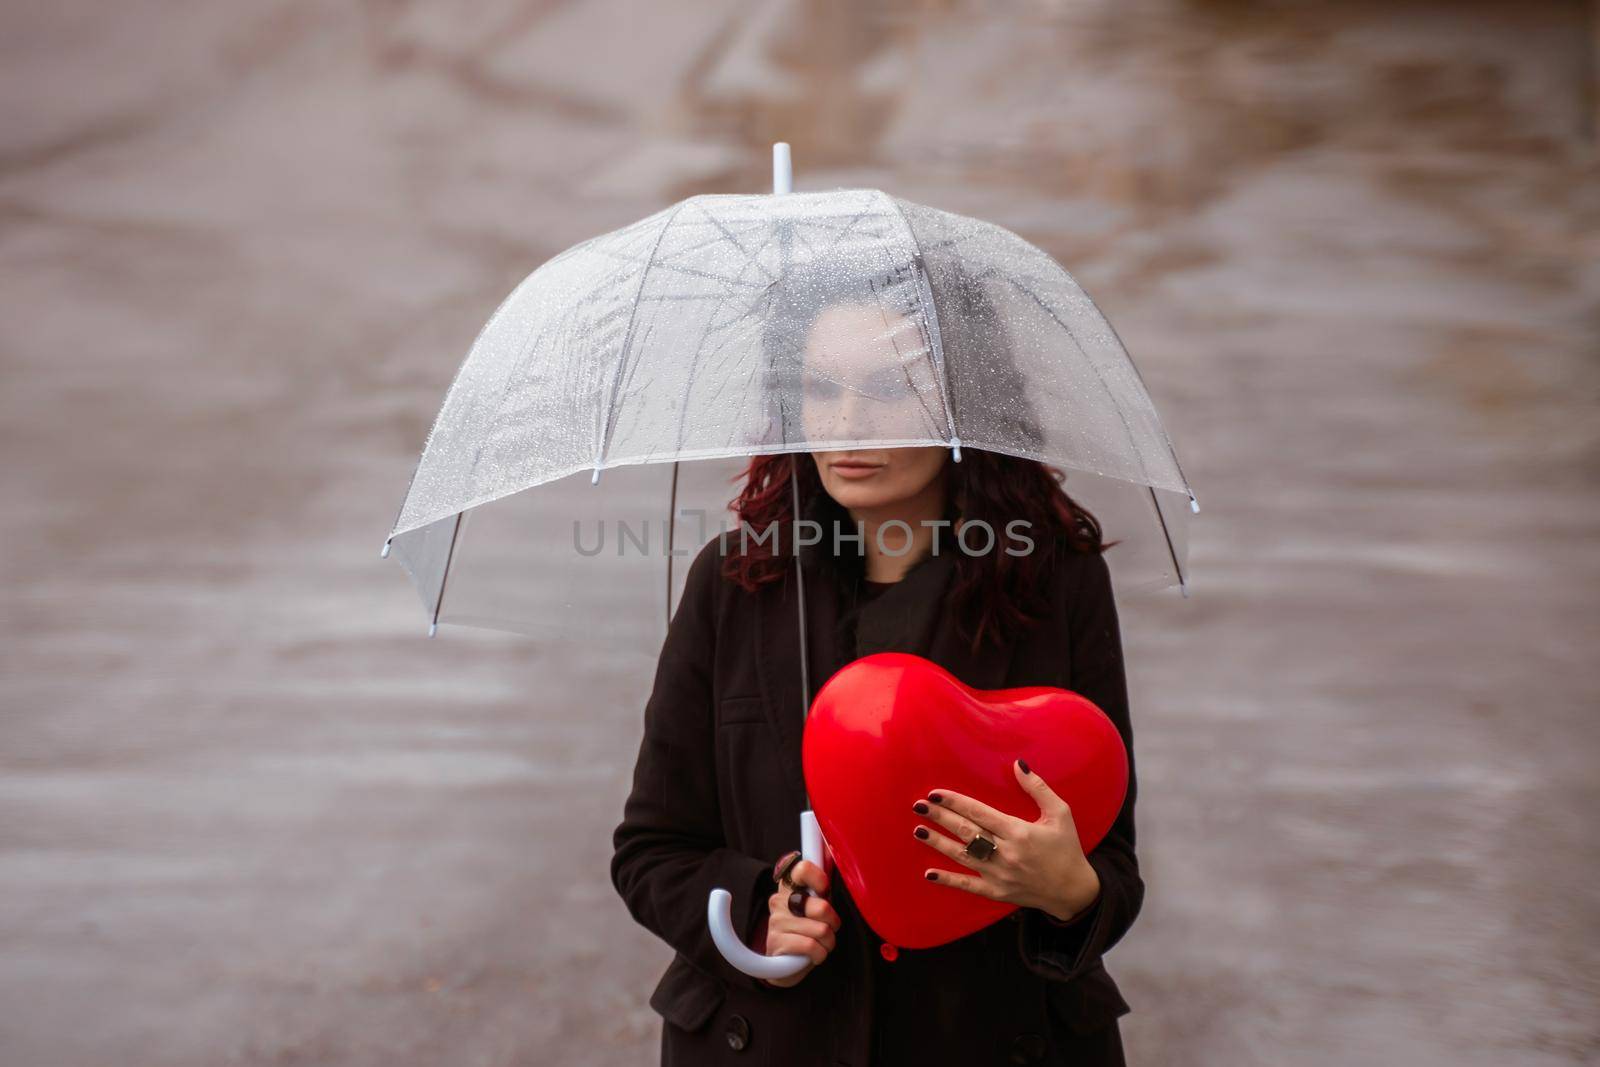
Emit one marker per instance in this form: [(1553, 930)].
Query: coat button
[(1028, 1048), (738, 1032)]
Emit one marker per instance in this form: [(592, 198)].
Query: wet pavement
[(255, 816)]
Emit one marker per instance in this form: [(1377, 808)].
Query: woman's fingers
[(970, 882), (819, 917), (815, 940), (813, 937), (815, 957), (809, 874), (813, 928), (812, 907), (819, 908), (960, 826), (1049, 801), (949, 846), (964, 812)]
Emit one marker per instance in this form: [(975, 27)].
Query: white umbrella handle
[(719, 913), (782, 169), (719, 909)]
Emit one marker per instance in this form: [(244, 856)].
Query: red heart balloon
[(890, 728)]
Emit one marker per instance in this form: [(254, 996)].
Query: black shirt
[(870, 589), (898, 617)]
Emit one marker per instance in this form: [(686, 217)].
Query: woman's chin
[(862, 494)]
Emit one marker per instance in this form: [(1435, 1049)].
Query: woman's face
[(868, 375)]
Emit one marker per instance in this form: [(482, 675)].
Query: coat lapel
[(778, 665)]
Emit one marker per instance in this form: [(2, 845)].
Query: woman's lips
[(855, 470)]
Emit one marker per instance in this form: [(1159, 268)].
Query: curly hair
[(996, 594)]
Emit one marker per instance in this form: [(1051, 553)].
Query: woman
[(718, 787)]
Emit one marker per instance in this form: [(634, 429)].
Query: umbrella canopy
[(727, 326)]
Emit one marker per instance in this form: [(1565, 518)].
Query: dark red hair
[(995, 593)]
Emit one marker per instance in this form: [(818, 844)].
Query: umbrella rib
[(731, 283), (460, 373), (529, 345), (1115, 406), (672, 526), (633, 368), (688, 385), (901, 360), (800, 594), (729, 237), (627, 342), (935, 341), (721, 301), (734, 282), (843, 232), (1172, 450), (716, 239), (1176, 567), (621, 383), (691, 272), (449, 558)]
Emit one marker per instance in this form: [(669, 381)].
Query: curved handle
[(719, 914)]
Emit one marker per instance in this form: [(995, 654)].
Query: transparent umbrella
[(728, 326), (707, 332)]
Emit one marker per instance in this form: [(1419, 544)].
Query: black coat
[(716, 799)]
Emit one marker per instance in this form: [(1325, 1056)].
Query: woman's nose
[(853, 414)]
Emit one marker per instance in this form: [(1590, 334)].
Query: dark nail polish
[(936, 798), (932, 877), (1024, 765), (922, 832), (920, 808)]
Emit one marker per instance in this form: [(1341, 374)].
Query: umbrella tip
[(955, 449), (782, 168), (594, 479), (1194, 505), (433, 628), (384, 552)]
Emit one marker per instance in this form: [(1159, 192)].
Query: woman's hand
[(810, 934), (1036, 864)]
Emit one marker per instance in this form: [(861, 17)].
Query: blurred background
[(253, 815)]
